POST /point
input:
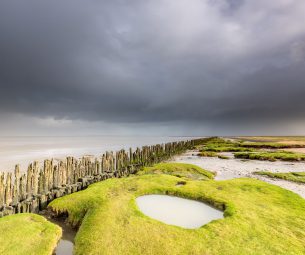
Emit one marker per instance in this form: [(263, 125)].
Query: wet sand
[(235, 168), (297, 150)]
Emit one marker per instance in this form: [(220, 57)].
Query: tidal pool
[(66, 243), (178, 211)]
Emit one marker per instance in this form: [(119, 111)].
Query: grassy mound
[(297, 140), (207, 154), (223, 157), (27, 234), (269, 145), (271, 156), (222, 145), (180, 170), (259, 218), (211, 154), (291, 176)]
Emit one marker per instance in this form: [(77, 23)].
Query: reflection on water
[(66, 243), (177, 211), (64, 247)]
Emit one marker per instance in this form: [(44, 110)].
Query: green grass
[(207, 154), (271, 156), (180, 170), (260, 218), (219, 142), (225, 149), (27, 234), (269, 145), (276, 139), (223, 157), (291, 176), (222, 145)]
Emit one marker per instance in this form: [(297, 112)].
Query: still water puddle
[(66, 243), (178, 211)]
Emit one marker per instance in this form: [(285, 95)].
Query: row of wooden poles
[(33, 190)]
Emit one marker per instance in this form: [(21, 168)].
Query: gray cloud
[(198, 63)]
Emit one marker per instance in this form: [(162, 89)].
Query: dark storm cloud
[(197, 61)]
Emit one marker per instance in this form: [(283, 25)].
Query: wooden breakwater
[(33, 190)]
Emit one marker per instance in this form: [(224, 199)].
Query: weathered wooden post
[(2, 189), (22, 187), (55, 177), (62, 172), (39, 186), (35, 177), (8, 189), (16, 195), (29, 180)]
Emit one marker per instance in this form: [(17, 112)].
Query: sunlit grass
[(276, 139), (179, 170), (24, 234), (207, 154), (259, 218), (271, 156), (291, 176), (222, 145)]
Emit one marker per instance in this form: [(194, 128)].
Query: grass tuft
[(207, 154), (271, 156), (180, 170), (222, 145), (223, 157), (291, 176)]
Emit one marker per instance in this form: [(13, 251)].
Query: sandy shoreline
[(236, 168)]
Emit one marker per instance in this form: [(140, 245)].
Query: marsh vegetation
[(291, 176), (108, 210), (251, 150), (28, 234), (109, 220), (271, 156)]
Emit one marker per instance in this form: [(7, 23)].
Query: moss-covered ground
[(291, 176), (27, 234), (180, 170), (271, 155), (221, 145), (224, 145), (300, 140), (250, 150), (259, 218)]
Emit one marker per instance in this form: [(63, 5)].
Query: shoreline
[(231, 168), (26, 150)]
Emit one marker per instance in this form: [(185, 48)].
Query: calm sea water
[(24, 150)]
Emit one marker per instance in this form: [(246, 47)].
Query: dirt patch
[(292, 142), (297, 150)]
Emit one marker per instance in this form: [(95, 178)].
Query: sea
[(23, 150)]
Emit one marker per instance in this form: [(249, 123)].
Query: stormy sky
[(170, 67)]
